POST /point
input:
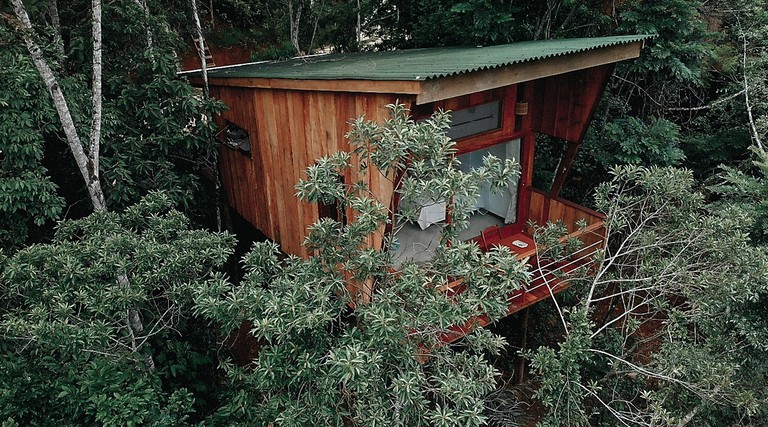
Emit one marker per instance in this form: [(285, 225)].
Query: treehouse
[(284, 115)]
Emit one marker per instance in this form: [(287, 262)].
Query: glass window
[(492, 208), (418, 241), (236, 138), (475, 120)]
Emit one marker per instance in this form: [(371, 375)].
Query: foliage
[(671, 330), (668, 330), (384, 363), (27, 194), (748, 194), (428, 23), (87, 319), (747, 23), (681, 45), (157, 138), (160, 138), (153, 135), (631, 141)]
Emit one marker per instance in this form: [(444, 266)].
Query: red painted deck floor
[(548, 279)]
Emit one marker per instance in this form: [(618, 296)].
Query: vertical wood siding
[(562, 106), (544, 208), (289, 130)]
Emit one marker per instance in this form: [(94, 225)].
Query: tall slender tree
[(87, 160)]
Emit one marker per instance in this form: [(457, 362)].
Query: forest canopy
[(127, 296)]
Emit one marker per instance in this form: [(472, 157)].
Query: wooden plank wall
[(562, 105), (560, 209), (289, 130), (243, 182), (544, 208)]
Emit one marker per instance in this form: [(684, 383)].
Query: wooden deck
[(548, 276)]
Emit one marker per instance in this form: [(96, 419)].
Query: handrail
[(568, 203)]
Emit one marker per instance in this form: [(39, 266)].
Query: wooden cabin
[(284, 115)]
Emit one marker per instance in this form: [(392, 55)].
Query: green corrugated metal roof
[(416, 64)]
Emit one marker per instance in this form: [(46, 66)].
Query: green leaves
[(84, 316), (629, 140), (27, 195), (383, 363), (669, 256)]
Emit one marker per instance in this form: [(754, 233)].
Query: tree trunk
[(84, 162), (58, 40), (201, 48), (213, 17), (523, 346), (294, 18), (358, 28), (143, 5), (96, 94), (206, 91)]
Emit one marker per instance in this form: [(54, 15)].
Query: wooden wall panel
[(562, 105), (242, 178), (289, 131), (266, 132)]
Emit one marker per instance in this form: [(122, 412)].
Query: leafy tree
[(27, 194), (630, 140), (89, 321), (384, 363), (670, 329), (675, 66), (87, 154), (153, 133), (429, 23)]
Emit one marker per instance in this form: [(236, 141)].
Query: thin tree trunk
[(753, 127), (145, 8), (206, 91), (294, 18), (523, 345), (358, 28), (84, 163), (201, 48), (213, 18), (135, 327), (58, 40), (96, 92)]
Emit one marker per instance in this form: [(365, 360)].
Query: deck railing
[(545, 208), (549, 275)]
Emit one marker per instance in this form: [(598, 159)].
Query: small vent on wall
[(236, 138)]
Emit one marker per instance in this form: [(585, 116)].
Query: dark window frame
[(235, 137)]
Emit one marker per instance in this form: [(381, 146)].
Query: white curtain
[(513, 152)]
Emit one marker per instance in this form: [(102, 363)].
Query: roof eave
[(478, 81), (452, 86), (346, 85)]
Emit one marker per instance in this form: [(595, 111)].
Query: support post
[(563, 167)]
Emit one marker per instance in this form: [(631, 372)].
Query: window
[(236, 138), (475, 120), (492, 208), (418, 240)]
